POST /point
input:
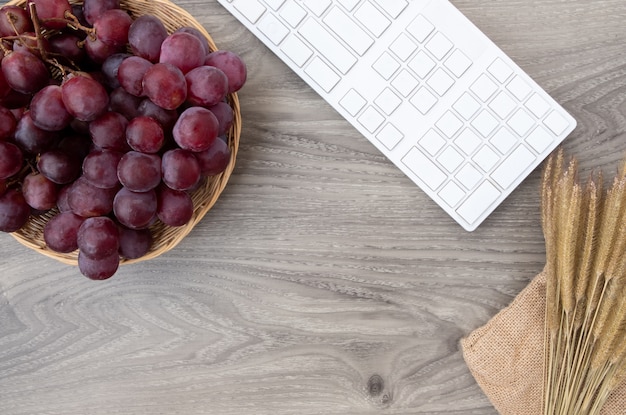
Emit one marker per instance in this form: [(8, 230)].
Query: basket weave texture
[(204, 197)]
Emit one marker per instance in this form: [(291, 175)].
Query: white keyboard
[(425, 86)]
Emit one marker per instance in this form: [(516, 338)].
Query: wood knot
[(375, 385)]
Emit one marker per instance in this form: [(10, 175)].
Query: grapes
[(109, 124), (196, 129), (145, 36), (165, 85), (84, 97), (11, 159), (14, 211)]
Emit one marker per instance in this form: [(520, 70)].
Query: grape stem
[(38, 34)]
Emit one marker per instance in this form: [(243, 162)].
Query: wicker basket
[(165, 237)]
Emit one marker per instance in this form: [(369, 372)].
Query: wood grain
[(323, 281)]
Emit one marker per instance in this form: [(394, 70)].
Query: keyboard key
[(503, 140), (521, 122), (405, 83), (424, 168), (322, 74), (293, 14), (390, 136), (372, 19), (458, 63), (469, 176), (468, 141), (348, 4), (386, 66), (422, 64), (440, 82), (348, 30), (296, 50), (449, 124), (439, 45), (513, 166), (500, 70), (503, 105), (371, 119), (484, 88), (353, 102), (392, 7), (274, 4), (318, 7), (519, 88), (271, 27), (403, 47), (537, 105), (420, 28), (475, 205), (432, 142), (250, 9), (466, 106), (452, 194), (539, 139), (388, 101), (556, 123), (326, 44), (423, 100), (450, 159), (485, 123), (486, 159)]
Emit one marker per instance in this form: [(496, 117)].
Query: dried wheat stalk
[(585, 233)]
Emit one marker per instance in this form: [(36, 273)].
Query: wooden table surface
[(323, 281)]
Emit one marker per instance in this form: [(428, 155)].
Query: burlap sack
[(505, 356)]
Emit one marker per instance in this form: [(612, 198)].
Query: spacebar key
[(327, 45)]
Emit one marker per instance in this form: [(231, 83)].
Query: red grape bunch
[(109, 122)]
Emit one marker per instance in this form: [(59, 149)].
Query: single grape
[(32, 139), (225, 116), (14, 211), (98, 269), (87, 200), (214, 160), (196, 129), (232, 65), (139, 172), (134, 243), (100, 168), (165, 85), (201, 37), (110, 68), (124, 103), (48, 110), (145, 134), (135, 210), (108, 131), (58, 166), (180, 169), (60, 232), (175, 207), (98, 237), (14, 20), (51, 13), (145, 36), (112, 27), (206, 86), (93, 9), (24, 72), (84, 97), (67, 45), (167, 118), (8, 123), (11, 159), (98, 51), (39, 192), (131, 72), (183, 50)]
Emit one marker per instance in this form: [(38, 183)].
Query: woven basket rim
[(204, 197)]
